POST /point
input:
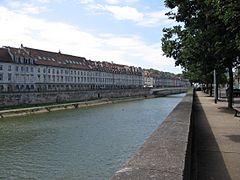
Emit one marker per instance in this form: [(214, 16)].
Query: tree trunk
[(216, 89), (211, 87), (230, 89)]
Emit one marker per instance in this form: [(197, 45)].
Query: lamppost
[(215, 86)]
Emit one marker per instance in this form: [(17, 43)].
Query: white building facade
[(26, 69)]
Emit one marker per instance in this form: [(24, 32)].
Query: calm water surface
[(88, 143)]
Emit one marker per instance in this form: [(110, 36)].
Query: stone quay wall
[(21, 98), (166, 154), (12, 99)]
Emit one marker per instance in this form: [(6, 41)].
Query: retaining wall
[(166, 154), (11, 99)]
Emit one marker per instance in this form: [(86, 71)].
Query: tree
[(207, 40)]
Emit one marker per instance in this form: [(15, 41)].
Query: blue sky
[(123, 31)]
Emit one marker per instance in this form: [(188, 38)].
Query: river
[(88, 143)]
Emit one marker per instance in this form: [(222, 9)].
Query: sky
[(126, 32)]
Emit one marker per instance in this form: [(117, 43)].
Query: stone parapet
[(166, 154)]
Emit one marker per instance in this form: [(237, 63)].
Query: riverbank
[(86, 103), (58, 107)]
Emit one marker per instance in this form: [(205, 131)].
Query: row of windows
[(71, 72), (24, 69), (27, 78), (60, 87), (30, 69), (9, 67), (9, 77), (23, 60)]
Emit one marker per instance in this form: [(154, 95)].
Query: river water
[(88, 143)]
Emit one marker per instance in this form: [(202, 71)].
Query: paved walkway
[(217, 140)]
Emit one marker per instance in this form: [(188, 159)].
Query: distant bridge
[(167, 91)]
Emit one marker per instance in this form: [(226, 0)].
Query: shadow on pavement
[(226, 110), (208, 163), (235, 138)]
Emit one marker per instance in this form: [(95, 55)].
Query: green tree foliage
[(208, 37)]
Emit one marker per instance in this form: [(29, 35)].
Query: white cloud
[(125, 13), (131, 1), (107, 1), (43, 1), (155, 18), (27, 7), (112, 1), (17, 28), (31, 9), (86, 1)]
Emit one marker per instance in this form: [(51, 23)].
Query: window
[(1, 87), (1, 77), (17, 68), (31, 69), (1, 67), (9, 76)]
